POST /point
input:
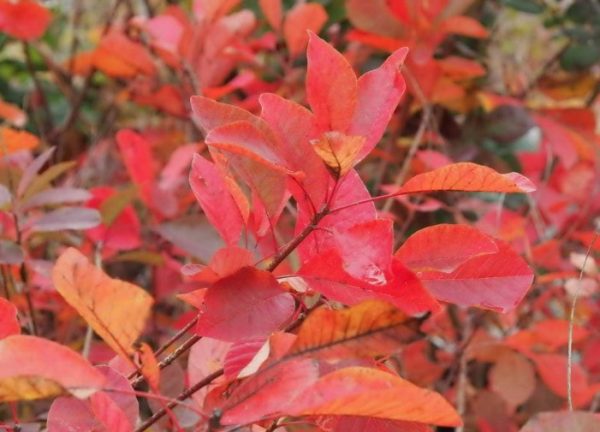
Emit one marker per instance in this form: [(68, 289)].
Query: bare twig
[(572, 326)]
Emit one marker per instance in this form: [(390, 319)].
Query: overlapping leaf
[(36, 368), (368, 329), (368, 392), (115, 309)]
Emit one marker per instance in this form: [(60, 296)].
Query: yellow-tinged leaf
[(44, 180), (115, 204), (338, 151), (12, 141), (366, 392), (149, 366), (467, 177), (35, 368), (368, 329), (115, 309)]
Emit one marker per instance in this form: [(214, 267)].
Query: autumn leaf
[(331, 86), (213, 192), (270, 392), (12, 140), (12, 113), (496, 281), (561, 421), (368, 392), (273, 11), (23, 19), (338, 151), (9, 324), (422, 251), (36, 368), (467, 177), (302, 17), (114, 410), (115, 309), (368, 329), (249, 303)]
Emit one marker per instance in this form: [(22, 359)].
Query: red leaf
[(139, 161), (9, 324), (123, 233), (34, 368), (212, 190), (373, 393), (270, 392), (249, 303), (495, 281), (468, 177), (119, 56), (302, 17), (331, 86), (379, 92), (206, 357), (115, 410), (422, 251), (294, 126), (464, 26), (367, 424), (23, 19), (553, 372)]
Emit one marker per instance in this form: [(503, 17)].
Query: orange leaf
[(12, 113), (36, 368), (370, 328), (12, 141), (338, 151), (115, 309), (467, 177), (368, 392), (464, 26), (272, 9), (149, 365), (303, 17)]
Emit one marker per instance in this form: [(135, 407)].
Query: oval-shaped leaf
[(368, 329), (467, 177), (115, 309), (444, 247), (496, 281), (373, 393), (249, 303), (67, 218), (36, 368)]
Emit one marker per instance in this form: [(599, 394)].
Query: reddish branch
[(277, 259)]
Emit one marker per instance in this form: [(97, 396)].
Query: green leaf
[(113, 206), (45, 179)]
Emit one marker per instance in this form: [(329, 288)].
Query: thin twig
[(207, 380), (572, 326)]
